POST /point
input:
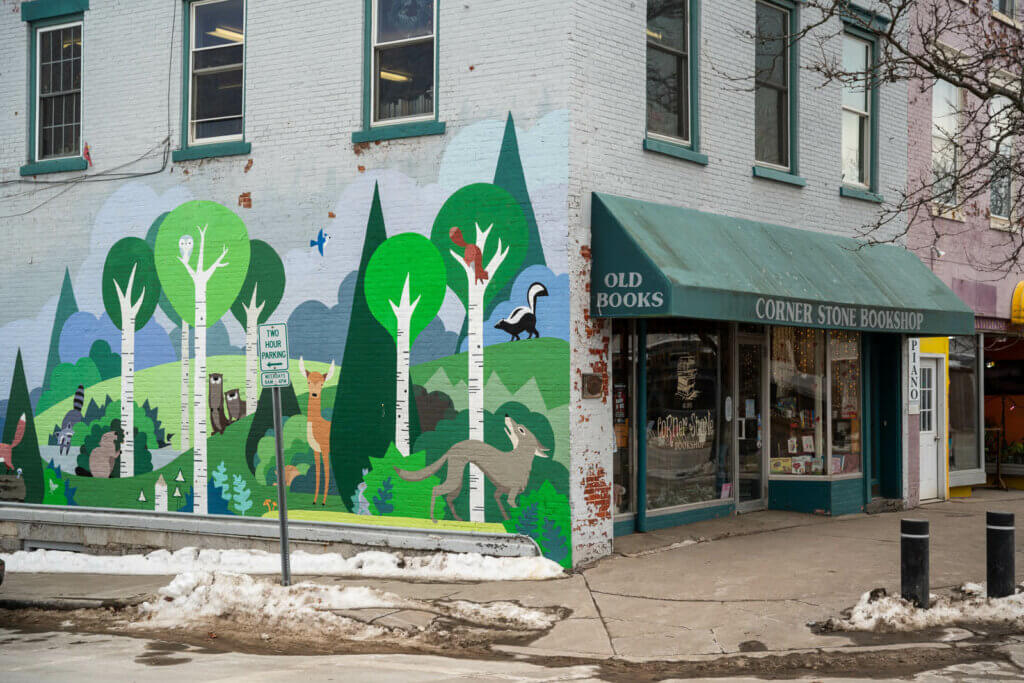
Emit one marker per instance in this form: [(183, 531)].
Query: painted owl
[(185, 247)]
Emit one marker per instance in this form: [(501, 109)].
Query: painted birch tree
[(130, 294), (256, 302), (482, 231), (202, 257), (185, 433), (405, 266)]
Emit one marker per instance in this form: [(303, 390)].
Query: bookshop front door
[(749, 423)]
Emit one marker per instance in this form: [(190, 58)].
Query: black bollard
[(999, 549), (914, 561)]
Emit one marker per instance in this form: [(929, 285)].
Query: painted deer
[(318, 430)]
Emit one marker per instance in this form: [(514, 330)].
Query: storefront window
[(688, 458), (797, 401), (963, 404), (622, 405), (844, 354)]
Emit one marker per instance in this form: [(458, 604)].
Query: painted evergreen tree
[(185, 433), (258, 299), (202, 257), (509, 176), (130, 294), (25, 456), (263, 420), (66, 307), (405, 286), (482, 232), (363, 422)]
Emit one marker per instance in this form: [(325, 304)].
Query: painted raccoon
[(524, 318)]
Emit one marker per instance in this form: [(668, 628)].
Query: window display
[(963, 404), (797, 402), (688, 456), (844, 355)]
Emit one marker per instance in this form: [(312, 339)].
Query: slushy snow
[(310, 607), (892, 613), (369, 564)]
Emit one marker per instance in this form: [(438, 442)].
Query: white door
[(930, 429)]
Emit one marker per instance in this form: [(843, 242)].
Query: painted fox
[(7, 449), (509, 471)]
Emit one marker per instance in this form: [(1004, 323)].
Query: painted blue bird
[(321, 240)]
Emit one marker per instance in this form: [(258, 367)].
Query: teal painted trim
[(368, 134), (689, 516), (846, 496), (860, 193), (624, 527), (694, 60), (54, 166), (48, 9), (794, 91), (219, 149), (186, 66), (641, 419), (780, 176), (33, 63), (864, 18), (396, 131), (677, 150), (810, 496), (866, 423)]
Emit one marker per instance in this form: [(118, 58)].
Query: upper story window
[(403, 53), (1007, 7), (58, 96), (772, 85), (668, 69), (1000, 198), (857, 112), (216, 71), (946, 101)]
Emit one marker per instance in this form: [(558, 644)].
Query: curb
[(71, 604)]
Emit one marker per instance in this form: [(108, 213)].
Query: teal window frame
[(44, 14), (688, 150), (190, 150), (854, 26), (399, 128), (768, 171)]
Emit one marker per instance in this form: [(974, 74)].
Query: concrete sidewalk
[(750, 584)]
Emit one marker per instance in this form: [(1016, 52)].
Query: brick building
[(497, 241)]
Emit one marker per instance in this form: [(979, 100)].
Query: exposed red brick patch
[(597, 492), (245, 200), (248, 165), (330, 214), (360, 147), (585, 252), (362, 169), (471, 67)]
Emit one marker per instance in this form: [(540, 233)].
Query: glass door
[(750, 422)]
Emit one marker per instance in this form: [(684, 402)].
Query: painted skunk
[(524, 318)]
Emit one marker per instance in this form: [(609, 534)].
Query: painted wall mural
[(430, 381)]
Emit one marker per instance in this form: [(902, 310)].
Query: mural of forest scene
[(396, 419)]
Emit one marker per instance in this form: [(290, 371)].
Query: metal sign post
[(273, 353)]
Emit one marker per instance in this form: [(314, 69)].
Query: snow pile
[(370, 564), (877, 611), (310, 607)]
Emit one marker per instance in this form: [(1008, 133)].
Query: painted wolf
[(509, 471)]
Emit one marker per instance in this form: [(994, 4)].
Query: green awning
[(652, 260)]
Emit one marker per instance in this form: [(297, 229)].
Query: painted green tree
[(258, 299), (363, 421), (263, 420), (202, 257), (130, 293), (25, 456), (66, 307), (509, 176), (480, 262), (185, 433), (403, 267)]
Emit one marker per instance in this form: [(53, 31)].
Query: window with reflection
[(403, 59), (59, 91), (963, 404), (771, 85), (216, 61), (856, 111), (668, 76), (797, 402), (622, 416), (844, 355), (688, 451)]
